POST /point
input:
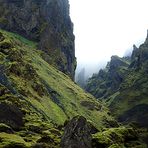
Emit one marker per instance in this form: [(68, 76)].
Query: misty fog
[(106, 28)]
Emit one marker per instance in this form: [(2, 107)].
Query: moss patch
[(117, 137), (12, 141)]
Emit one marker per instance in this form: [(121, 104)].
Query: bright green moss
[(17, 39), (12, 140), (117, 137), (117, 146)]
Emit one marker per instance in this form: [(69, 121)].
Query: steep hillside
[(133, 94), (108, 80), (124, 87), (46, 22), (40, 105), (34, 96)]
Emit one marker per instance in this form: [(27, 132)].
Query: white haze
[(106, 27)]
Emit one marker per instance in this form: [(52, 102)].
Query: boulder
[(77, 134)]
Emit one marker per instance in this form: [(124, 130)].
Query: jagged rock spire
[(146, 41), (135, 47)]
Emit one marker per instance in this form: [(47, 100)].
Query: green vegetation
[(12, 141), (117, 137), (123, 87), (36, 98), (108, 80)]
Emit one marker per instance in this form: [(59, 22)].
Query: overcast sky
[(107, 27)]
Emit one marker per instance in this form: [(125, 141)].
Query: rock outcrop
[(46, 22), (77, 133)]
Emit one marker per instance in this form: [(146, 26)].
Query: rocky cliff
[(123, 85), (108, 80), (46, 22)]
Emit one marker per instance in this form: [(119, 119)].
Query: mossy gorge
[(40, 104)]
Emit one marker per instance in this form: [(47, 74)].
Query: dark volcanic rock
[(1, 37), (46, 22), (77, 134), (11, 115)]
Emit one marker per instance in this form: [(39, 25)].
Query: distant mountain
[(81, 78), (123, 85), (108, 80)]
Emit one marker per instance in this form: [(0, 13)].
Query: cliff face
[(46, 22), (108, 80)]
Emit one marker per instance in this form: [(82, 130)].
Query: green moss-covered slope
[(120, 137), (131, 103), (47, 22), (35, 98)]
